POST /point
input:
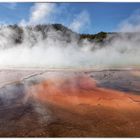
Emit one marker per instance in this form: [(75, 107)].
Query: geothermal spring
[(51, 88)]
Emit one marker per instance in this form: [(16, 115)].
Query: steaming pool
[(70, 102)]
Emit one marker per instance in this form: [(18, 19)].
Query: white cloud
[(81, 21)]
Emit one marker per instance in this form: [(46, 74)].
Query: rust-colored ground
[(88, 110), (72, 104), (69, 92)]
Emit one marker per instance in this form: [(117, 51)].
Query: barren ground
[(70, 103)]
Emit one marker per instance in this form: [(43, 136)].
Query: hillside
[(58, 32)]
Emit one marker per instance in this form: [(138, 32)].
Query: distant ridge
[(63, 33)]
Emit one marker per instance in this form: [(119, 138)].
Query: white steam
[(131, 24), (40, 13), (56, 52), (50, 53), (81, 21)]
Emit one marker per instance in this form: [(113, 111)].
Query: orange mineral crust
[(70, 91), (103, 103)]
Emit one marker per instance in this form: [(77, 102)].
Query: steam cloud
[(55, 52)]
